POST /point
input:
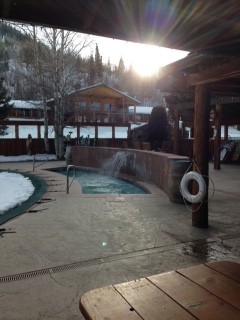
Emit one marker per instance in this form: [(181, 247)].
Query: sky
[(145, 59)]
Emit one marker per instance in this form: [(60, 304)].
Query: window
[(95, 106), (107, 107), (80, 105)]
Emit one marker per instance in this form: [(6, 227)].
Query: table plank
[(202, 304), (150, 302), (106, 303), (215, 282), (228, 268)]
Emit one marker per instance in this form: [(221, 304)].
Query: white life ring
[(193, 198)]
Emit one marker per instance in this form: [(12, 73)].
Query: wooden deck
[(206, 291)]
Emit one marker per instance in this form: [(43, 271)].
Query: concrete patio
[(68, 244)]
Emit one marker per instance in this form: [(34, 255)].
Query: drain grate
[(71, 266), (77, 265), (26, 275)]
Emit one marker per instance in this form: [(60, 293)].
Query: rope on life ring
[(193, 198)]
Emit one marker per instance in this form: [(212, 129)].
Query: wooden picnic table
[(206, 291)]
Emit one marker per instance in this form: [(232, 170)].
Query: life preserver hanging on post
[(202, 188)]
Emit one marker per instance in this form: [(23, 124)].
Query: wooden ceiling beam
[(178, 85), (230, 89), (183, 106), (219, 73), (174, 84)]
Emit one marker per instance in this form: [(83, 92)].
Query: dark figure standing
[(29, 145), (159, 128)]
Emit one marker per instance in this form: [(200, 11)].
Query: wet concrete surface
[(66, 245)]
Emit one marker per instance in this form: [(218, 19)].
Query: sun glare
[(146, 60)]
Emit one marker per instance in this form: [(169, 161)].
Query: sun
[(147, 59)]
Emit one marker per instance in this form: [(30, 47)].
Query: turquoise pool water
[(97, 183)]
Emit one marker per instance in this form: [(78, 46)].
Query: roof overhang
[(179, 24)]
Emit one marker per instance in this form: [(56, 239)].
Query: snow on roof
[(140, 109), (30, 104), (25, 119)]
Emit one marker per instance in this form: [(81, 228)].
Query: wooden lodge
[(26, 110), (95, 106), (98, 106)]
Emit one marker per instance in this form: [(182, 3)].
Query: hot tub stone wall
[(162, 169)]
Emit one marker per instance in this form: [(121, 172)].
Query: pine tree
[(91, 71), (5, 107), (121, 67), (98, 63), (3, 58)]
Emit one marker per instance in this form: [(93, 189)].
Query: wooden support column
[(96, 132), (123, 120), (201, 151), (39, 131), (176, 137), (226, 132), (17, 132), (217, 138), (113, 132), (78, 132)]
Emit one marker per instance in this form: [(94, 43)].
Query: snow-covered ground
[(14, 190), (14, 187), (38, 157), (103, 132)]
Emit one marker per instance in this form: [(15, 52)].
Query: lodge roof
[(30, 104), (101, 90)]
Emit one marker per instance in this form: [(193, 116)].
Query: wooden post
[(113, 132), (201, 151), (217, 138), (39, 131), (17, 131), (226, 132), (176, 137), (123, 120), (96, 132), (78, 131)]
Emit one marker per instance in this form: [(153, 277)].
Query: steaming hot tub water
[(97, 183)]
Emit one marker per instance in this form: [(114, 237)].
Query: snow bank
[(14, 190)]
